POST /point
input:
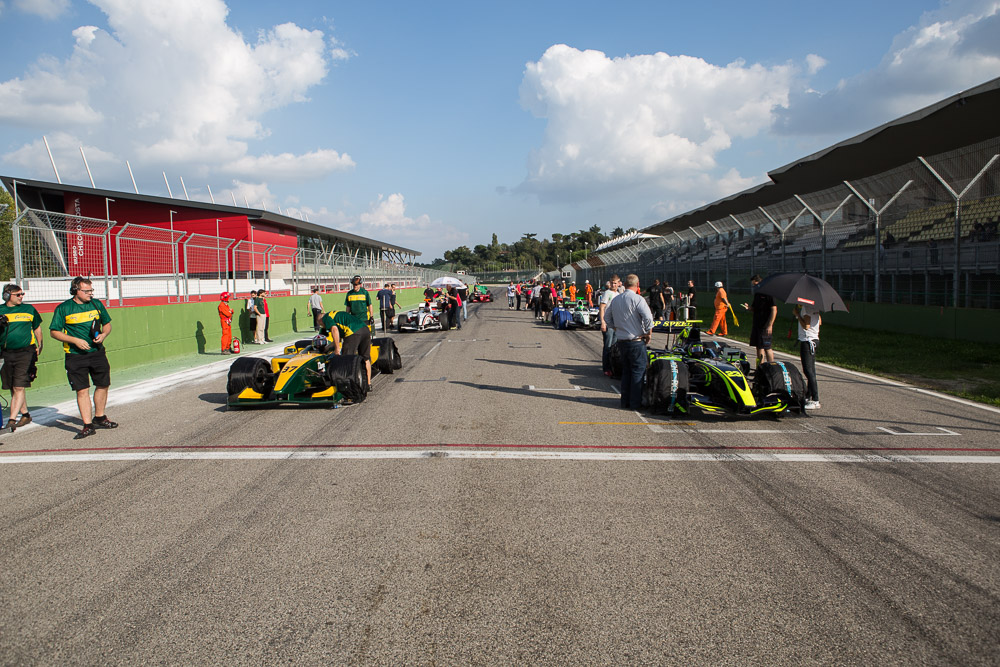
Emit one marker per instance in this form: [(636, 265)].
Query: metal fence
[(128, 262), (923, 233)]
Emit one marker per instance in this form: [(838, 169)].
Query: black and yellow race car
[(307, 372), (713, 378)]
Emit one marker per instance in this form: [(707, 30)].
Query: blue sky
[(438, 124)]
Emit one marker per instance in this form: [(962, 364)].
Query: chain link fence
[(131, 262), (923, 233)]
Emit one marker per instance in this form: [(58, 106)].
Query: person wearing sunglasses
[(81, 323), (21, 342)]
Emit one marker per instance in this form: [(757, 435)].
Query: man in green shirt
[(81, 324), (350, 335), (21, 341), (357, 302)]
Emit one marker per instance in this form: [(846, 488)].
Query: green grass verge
[(960, 368)]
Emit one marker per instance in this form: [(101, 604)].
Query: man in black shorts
[(21, 341), (350, 335), (81, 324), (764, 312)]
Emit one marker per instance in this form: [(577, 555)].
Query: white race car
[(426, 317)]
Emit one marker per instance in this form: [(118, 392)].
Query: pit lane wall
[(147, 334)]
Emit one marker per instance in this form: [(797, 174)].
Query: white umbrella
[(447, 281)]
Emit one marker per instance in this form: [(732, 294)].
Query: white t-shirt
[(607, 295), (812, 333), (510, 290)]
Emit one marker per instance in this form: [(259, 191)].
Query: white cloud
[(47, 9), (640, 121), (386, 220), (948, 50), (288, 167), (171, 85), (815, 63)]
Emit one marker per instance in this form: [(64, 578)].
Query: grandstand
[(904, 213)]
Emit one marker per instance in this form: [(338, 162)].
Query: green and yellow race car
[(308, 372)]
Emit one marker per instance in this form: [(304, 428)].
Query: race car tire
[(666, 387), (346, 372), (250, 372), (401, 322), (770, 379), (389, 359), (445, 321)]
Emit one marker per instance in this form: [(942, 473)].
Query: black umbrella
[(802, 289)]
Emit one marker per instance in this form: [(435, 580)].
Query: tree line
[(528, 252)]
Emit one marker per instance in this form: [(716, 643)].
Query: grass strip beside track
[(961, 368)]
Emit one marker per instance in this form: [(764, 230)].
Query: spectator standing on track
[(266, 309), (668, 301), (261, 318), (81, 324), (316, 306), (510, 295), (764, 313), (517, 296), (463, 297), (226, 320), (252, 314), (384, 298), (536, 300), (809, 323), (358, 302), (21, 341), (454, 307), (721, 308), (632, 321), (656, 304), (692, 296), (548, 299), (608, 333)]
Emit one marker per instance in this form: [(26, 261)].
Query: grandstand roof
[(29, 193), (960, 120)]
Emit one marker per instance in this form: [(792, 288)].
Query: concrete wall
[(146, 334)]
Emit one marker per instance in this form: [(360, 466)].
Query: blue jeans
[(465, 312), (609, 340), (634, 362)]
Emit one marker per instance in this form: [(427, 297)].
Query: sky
[(437, 124)]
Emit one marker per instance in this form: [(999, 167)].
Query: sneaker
[(24, 420), (86, 431), (104, 422), (812, 405)]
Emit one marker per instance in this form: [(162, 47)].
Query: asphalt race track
[(491, 504)]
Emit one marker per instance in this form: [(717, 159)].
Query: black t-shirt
[(761, 307), (692, 294), (654, 293), (429, 293), (464, 293)]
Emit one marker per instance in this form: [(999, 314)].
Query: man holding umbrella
[(811, 297)]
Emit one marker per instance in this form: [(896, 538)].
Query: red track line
[(452, 446)]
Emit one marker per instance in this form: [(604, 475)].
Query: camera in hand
[(95, 332)]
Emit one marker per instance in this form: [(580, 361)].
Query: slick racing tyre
[(388, 356), (401, 322), (346, 372), (445, 321), (250, 372)]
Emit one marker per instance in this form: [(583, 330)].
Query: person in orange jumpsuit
[(721, 306), (589, 292), (572, 291), (226, 319)]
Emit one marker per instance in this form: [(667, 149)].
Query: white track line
[(727, 457)]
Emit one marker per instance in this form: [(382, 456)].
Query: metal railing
[(923, 233), (129, 262)]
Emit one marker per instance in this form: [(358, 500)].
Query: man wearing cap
[(358, 302), (721, 306), (226, 320), (21, 340)]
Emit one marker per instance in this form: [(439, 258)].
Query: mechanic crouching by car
[(21, 340), (81, 324), (350, 335)]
